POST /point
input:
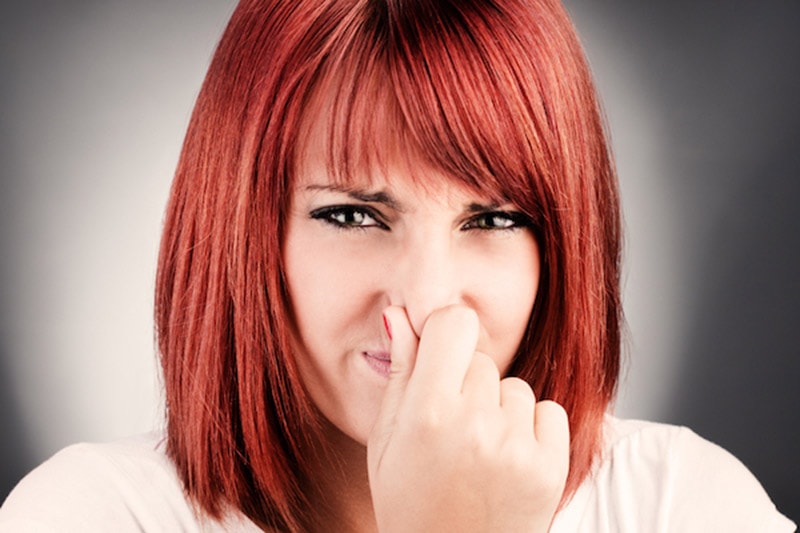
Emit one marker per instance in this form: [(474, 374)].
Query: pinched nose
[(426, 279)]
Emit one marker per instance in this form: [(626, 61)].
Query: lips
[(379, 361)]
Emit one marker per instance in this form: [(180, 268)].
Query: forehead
[(394, 186)]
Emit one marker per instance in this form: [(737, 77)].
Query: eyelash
[(329, 215), (515, 219)]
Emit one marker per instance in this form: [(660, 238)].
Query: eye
[(348, 217), (497, 220)]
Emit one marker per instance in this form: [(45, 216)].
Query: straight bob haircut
[(494, 93)]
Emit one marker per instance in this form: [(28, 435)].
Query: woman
[(388, 297)]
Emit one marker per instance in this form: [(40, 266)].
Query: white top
[(652, 477)]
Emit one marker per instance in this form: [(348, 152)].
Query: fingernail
[(387, 326)]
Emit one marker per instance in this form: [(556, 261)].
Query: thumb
[(403, 353)]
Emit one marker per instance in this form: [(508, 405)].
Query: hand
[(456, 448)]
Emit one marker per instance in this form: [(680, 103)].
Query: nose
[(426, 278)]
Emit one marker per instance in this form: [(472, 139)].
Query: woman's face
[(383, 240)]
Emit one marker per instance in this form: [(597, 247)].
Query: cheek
[(327, 286), (506, 303)]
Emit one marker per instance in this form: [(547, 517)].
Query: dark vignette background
[(726, 77), (723, 79)]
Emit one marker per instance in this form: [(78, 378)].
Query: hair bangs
[(465, 99), (430, 93)]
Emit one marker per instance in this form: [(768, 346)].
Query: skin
[(410, 302)]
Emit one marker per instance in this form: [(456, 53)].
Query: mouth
[(379, 361)]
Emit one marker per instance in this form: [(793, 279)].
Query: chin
[(349, 424)]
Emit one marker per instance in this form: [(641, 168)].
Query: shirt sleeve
[(93, 488), (662, 478), (711, 490)]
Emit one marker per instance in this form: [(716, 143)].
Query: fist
[(455, 447)]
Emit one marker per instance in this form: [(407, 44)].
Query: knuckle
[(555, 414), (477, 436), (517, 387), (555, 408), (485, 365), (428, 422)]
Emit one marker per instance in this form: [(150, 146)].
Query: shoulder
[(660, 477), (128, 485)]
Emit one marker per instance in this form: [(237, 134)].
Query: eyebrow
[(475, 207), (380, 197)]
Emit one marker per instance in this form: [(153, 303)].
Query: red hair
[(496, 94)]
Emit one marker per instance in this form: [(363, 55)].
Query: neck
[(341, 499)]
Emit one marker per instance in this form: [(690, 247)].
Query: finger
[(518, 402), (482, 382), (446, 347), (551, 426), (404, 344), (403, 355)]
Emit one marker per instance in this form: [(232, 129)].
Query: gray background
[(702, 100)]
